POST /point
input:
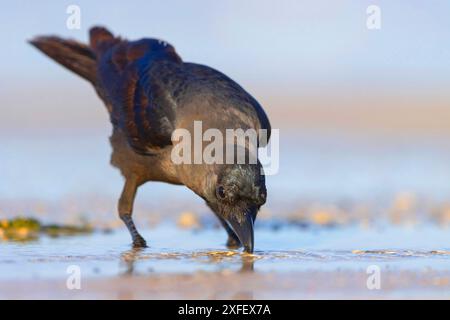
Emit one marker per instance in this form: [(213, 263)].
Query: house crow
[(150, 92)]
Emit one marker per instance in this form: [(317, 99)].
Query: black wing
[(144, 82), (139, 101)]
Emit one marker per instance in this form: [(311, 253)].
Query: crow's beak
[(244, 230)]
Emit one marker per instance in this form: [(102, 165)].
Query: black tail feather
[(73, 55)]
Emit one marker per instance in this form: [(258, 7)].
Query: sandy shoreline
[(245, 285)]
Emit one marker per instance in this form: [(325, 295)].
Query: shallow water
[(180, 251)]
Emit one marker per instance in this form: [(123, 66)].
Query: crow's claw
[(139, 242)]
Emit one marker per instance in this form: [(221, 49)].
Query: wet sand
[(297, 285), (290, 263)]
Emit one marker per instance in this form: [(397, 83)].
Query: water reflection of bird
[(130, 257), (149, 92)]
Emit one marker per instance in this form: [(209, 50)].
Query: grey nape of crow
[(149, 92)]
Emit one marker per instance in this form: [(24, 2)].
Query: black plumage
[(149, 92)]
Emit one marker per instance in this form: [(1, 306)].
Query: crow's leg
[(126, 209), (233, 240)]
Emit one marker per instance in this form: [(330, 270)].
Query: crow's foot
[(139, 242)]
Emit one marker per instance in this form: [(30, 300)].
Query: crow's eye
[(221, 192)]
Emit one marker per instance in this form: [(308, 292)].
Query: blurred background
[(364, 176), (364, 115)]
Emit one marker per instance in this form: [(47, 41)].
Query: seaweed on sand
[(26, 229)]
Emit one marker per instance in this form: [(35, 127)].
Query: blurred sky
[(291, 55)]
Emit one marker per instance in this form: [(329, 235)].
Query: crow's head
[(236, 194)]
